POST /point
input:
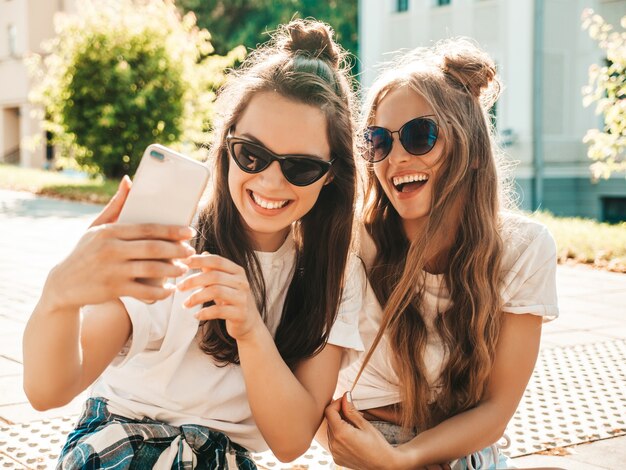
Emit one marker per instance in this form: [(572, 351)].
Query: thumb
[(112, 210), (350, 413)]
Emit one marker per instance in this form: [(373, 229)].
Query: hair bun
[(313, 37), (473, 68)]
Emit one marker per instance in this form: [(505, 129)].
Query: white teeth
[(264, 203), (409, 178)]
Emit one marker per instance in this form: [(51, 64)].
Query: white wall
[(505, 29)]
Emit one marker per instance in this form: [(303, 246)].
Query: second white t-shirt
[(528, 286)]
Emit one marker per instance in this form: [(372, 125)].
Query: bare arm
[(357, 444), (287, 407), (66, 350)]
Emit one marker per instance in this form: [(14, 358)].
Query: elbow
[(498, 432), (40, 405), (290, 453), (498, 428), (286, 456), (42, 401)]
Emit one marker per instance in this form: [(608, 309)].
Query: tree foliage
[(607, 87), (247, 22), (121, 74)]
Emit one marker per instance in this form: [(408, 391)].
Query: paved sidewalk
[(581, 367)]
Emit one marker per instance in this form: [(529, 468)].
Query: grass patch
[(56, 184), (587, 241)]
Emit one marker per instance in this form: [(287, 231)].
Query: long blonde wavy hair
[(459, 82)]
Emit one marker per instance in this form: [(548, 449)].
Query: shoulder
[(524, 238), (528, 267), (366, 246), (355, 275)]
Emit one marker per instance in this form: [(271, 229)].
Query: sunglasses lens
[(419, 136), (302, 171), (299, 171), (378, 143), (250, 158)]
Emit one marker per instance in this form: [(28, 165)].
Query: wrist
[(53, 297), (403, 458), (253, 337)]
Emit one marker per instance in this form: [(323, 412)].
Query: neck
[(269, 242), (437, 250)]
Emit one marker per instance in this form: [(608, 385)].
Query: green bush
[(121, 75), (587, 241)]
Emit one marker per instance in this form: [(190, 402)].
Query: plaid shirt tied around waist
[(102, 440)]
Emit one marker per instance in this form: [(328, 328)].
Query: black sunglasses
[(418, 137), (299, 170)]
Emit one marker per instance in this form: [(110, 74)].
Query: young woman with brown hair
[(244, 355), (459, 287)]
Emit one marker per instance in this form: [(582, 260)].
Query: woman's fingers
[(208, 261), (155, 269), (208, 278), (224, 312), (333, 415), (217, 293), (152, 249), (145, 292), (350, 413), (112, 210), (150, 232)]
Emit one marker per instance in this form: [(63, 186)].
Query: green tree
[(607, 87), (121, 75), (247, 22)]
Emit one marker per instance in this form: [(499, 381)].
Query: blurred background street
[(86, 85)]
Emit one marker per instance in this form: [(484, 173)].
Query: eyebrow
[(257, 141)]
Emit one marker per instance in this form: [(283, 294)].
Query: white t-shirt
[(529, 286), (163, 374)]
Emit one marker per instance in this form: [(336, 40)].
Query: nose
[(272, 176), (398, 155)]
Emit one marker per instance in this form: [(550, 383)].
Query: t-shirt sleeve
[(530, 282), (149, 323), (345, 330)]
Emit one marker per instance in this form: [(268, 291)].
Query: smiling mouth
[(409, 183), (266, 203)]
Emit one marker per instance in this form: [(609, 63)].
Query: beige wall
[(33, 20)]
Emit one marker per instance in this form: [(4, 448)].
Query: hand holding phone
[(166, 189)]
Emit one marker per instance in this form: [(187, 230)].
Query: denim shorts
[(490, 458)]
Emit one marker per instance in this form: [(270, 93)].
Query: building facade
[(543, 56), (24, 25)]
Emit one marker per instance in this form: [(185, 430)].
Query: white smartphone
[(166, 188)]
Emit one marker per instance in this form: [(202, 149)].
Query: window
[(12, 36), (402, 5), (614, 209)]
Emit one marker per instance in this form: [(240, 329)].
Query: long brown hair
[(459, 82), (303, 64)]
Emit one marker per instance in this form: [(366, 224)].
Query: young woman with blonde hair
[(459, 287)]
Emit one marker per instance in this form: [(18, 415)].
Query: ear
[(329, 179)]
